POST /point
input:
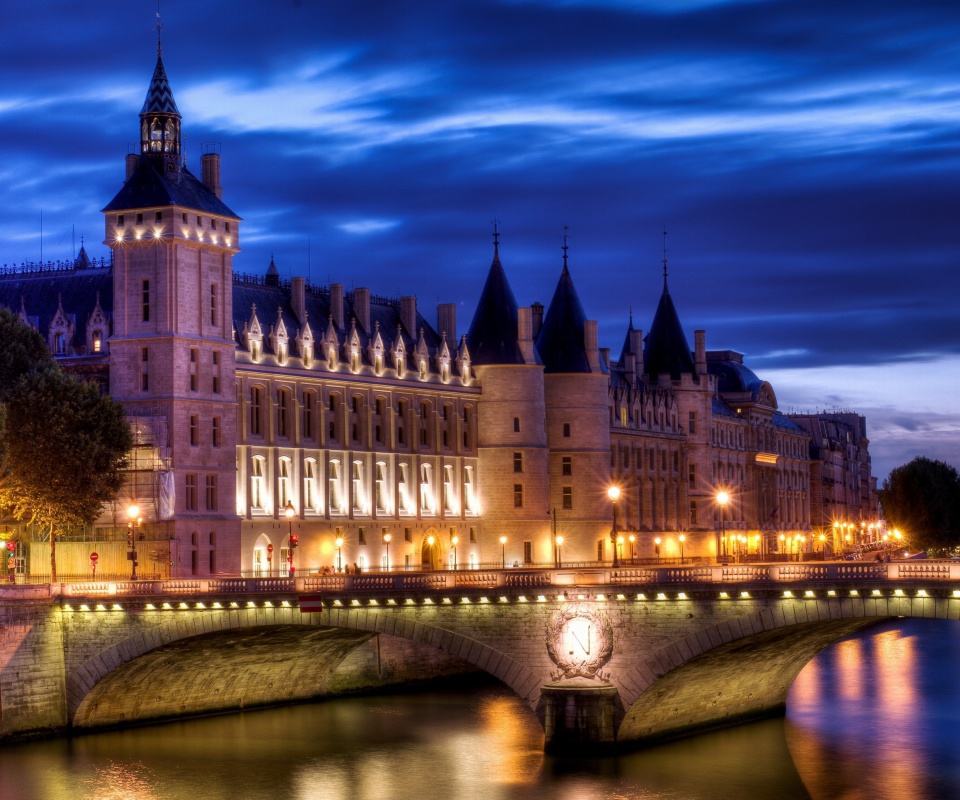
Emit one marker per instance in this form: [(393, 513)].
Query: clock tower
[(172, 350)]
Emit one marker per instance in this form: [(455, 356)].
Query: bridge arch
[(173, 668)]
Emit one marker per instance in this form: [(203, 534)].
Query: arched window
[(516, 424), (283, 483), (257, 483), (284, 427), (256, 411)]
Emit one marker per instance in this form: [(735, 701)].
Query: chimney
[(590, 345), (636, 347), (210, 173), (605, 356), (132, 160), (336, 304), (525, 334), (298, 298), (361, 307), (700, 352), (447, 322), (630, 367), (537, 309), (408, 315)]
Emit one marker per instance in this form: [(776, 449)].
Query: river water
[(876, 716)]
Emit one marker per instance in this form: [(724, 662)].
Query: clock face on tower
[(579, 641)]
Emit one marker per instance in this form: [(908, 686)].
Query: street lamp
[(823, 546), (133, 512), (339, 543), (559, 558), (292, 541), (656, 547), (633, 550), (454, 540), (385, 537), (722, 499), (614, 494), (430, 542), (620, 547), (682, 539), (503, 552)]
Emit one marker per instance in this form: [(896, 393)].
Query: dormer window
[(97, 342)]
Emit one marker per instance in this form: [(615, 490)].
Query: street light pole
[(385, 538), (722, 499), (614, 494), (503, 552), (682, 540), (339, 543), (292, 541), (559, 558)]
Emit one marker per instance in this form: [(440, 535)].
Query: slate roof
[(159, 99), (560, 342), (667, 351), (734, 377), (493, 337), (149, 187)]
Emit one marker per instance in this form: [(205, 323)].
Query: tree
[(922, 498), (63, 447)]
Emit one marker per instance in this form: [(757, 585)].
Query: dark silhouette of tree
[(63, 445), (922, 499)]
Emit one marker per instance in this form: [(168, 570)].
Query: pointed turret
[(160, 119), (493, 337), (561, 341), (667, 351)]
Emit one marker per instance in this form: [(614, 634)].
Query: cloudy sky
[(803, 157)]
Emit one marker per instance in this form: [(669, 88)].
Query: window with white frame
[(380, 487), (283, 482), (333, 490), (310, 484), (357, 478), (256, 483)]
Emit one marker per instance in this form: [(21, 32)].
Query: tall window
[(213, 304), (406, 497), (518, 462), (449, 490), (333, 491), (144, 369), (145, 300), (380, 487), (256, 411), (468, 490), (425, 494), (309, 414), (256, 484), (516, 424), (357, 479), (215, 431), (692, 470), (566, 430), (216, 373), (283, 413), (566, 465), (568, 497), (518, 495), (283, 482), (194, 430), (310, 484), (692, 422), (191, 492), (211, 493)]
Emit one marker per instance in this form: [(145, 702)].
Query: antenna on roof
[(159, 29), (664, 258), (565, 247)]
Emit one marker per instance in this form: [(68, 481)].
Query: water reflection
[(874, 717)]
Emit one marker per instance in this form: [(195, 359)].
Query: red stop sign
[(94, 557), (269, 548), (11, 546)]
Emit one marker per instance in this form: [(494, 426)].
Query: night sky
[(803, 157)]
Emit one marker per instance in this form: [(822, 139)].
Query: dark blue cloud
[(802, 155)]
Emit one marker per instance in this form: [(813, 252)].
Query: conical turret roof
[(667, 351), (493, 337), (159, 98), (560, 343)]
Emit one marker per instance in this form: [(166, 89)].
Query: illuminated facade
[(270, 408)]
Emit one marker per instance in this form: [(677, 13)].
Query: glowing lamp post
[(292, 541), (339, 543), (385, 537), (559, 558), (454, 540), (633, 549), (656, 548), (614, 494), (503, 552), (430, 542), (682, 539), (722, 499)]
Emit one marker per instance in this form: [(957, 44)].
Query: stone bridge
[(603, 656)]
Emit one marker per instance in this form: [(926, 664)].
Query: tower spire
[(565, 247), (664, 259), (159, 29)]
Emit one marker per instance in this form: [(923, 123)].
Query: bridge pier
[(579, 715)]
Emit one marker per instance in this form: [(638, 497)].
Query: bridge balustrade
[(382, 583)]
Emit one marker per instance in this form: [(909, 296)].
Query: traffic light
[(294, 541), (130, 536)]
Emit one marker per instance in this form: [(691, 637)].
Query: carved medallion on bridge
[(579, 642)]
